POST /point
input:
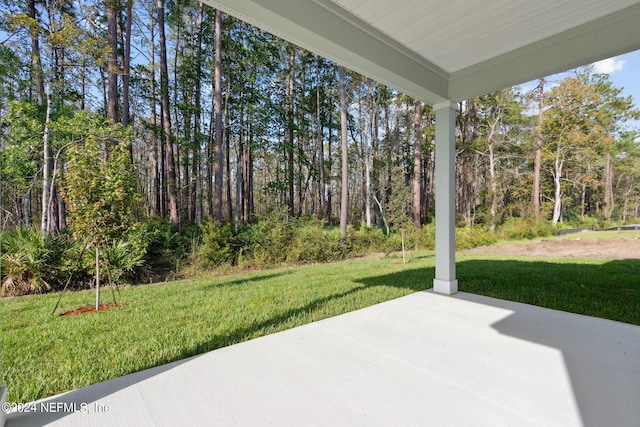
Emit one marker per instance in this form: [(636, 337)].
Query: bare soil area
[(575, 246), (92, 308)]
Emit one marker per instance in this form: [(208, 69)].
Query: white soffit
[(438, 50), (456, 34)]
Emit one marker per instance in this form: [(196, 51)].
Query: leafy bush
[(26, 255), (122, 258), (216, 243), (471, 237), (393, 242), (520, 229), (312, 243), (426, 236), (267, 242), (364, 241), (160, 241)]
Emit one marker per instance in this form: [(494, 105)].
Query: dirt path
[(583, 245)]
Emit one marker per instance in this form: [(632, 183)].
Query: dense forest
[(115, 112)]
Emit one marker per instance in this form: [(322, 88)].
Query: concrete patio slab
[(424, 359)]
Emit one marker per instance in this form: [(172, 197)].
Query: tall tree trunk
[(239, 182), (557, 176), (126, 65), (290, 133), (607, 206), (36, 62), (375, 162), (46, 165), (218, 171), (196, 187), (240, 168), (320, 205), (417, 164), (156, 156), (493, 186), (170, 166), (210, 159), (368, 154), (249, 180), (329, 208), (428, 172), (227, 152), (538, 157), (112, 61), (344, 198), (246, 169), (583, 199)]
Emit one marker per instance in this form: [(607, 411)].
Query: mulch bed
[(91, 308)]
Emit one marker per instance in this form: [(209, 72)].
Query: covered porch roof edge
[(319, 26), (611, 35)]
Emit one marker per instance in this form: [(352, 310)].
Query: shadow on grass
[(610, 290), (246, 281), (413, 279)]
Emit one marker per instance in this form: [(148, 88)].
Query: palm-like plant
[(122, 258), (25, 260)]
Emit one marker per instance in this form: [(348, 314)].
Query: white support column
[(445, 176)]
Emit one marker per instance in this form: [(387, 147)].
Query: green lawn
[(44, 354)]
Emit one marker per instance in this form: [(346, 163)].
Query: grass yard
[(44, 354)]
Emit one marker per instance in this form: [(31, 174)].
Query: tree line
[(222, 120)]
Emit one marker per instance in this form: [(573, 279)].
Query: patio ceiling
[(439, 50)]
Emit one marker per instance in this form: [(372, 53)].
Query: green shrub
[(521, 229), (26, 261), (587, 222), (426, 236), (393, 241), (267, 242), (471, 237), (312, 243), (365, 241), (122, 257), (160, 241), (217, 239), (76, 261)]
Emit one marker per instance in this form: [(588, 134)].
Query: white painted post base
[(447, 287), (3, 399)]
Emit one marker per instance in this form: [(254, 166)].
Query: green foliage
[(273, 241), (426, 236), (101, 187), (312, 243), (520, 229), (398, 206), (217, 240), (393, 242), (268, 241), (26, 254), (34, 263), (159, 238), (365, 240), (22, 144), (472, 237), (122, 258)]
